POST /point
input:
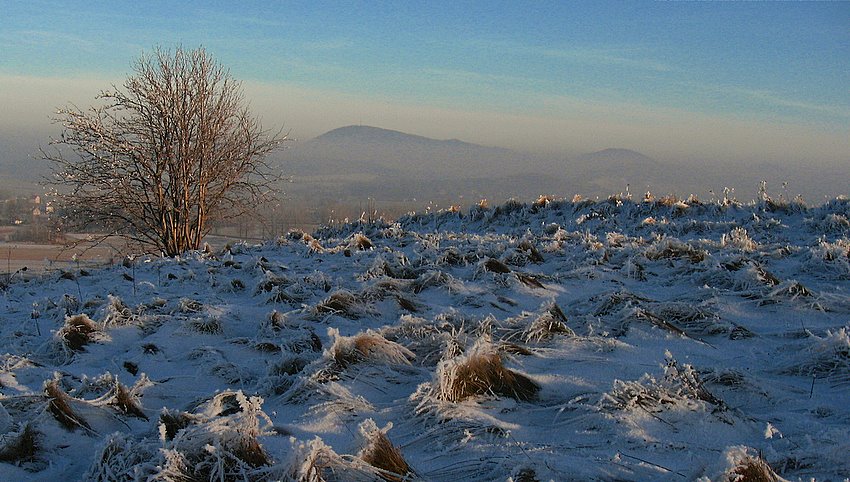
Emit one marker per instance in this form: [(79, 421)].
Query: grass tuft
[(482, 373), (531, 251), (745, 465), (21, 445), (552, 322), (210, 325), (495, 266), (79, 331), (173, 421), (125, 401), (379, 452), (361, 242), (369, 347), (58, 404), (343, 303)]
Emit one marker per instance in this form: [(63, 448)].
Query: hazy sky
[(675, 80)]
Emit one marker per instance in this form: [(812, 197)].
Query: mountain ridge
[(354, 131), (355, 149)]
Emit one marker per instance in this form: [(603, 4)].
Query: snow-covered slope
[(611, 340)]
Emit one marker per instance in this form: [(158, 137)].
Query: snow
[(653, 340)]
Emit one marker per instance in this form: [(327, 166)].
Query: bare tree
[(161, 158)]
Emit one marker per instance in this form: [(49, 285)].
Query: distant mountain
[(364, 161), (615, 157), (360, 162), (388, 153), (611, 170)]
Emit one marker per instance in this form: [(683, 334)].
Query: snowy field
[(586, 340)]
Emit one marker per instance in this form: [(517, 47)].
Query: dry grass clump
[(753, 470), (513, 349), (740, 240), (214, 444), (765, 276), (59, 405), (495, 266), (277, 320), (616, 302), (309, 342), (122, 458), (526, 475), (543, 200), (482, 373), (289, 365), (452, 256), (210, 325), (343, 303), (695, 319), (282, 374), (529, 281), (531, 251), (117, 313), (271, 282), (424, 338), (78, 331), (361, 242), (281, 289), (409, 304), (379, 452), (825, 356), (552, 322), (368, 347), (668, 200), (126, 401), (431, 278), (396, 267), (674, 249), (319, 463), (188, 305), (679, 384), (746, 465), (510, 206), (19, 445), (236, 284), (173, 421)]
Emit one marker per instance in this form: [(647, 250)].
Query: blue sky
[(676, 79)]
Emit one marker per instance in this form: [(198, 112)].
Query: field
[(40, 257), (558, 340)]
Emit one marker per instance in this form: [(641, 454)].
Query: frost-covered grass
[(666, 339)]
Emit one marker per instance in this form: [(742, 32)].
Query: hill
[(388, 153)]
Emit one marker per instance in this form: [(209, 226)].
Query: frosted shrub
[(551, 322), (829, 260), (116, 313), (121, 458), (680, 384), (315, 461), (740, 240), (218, 444), (824, 356)]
